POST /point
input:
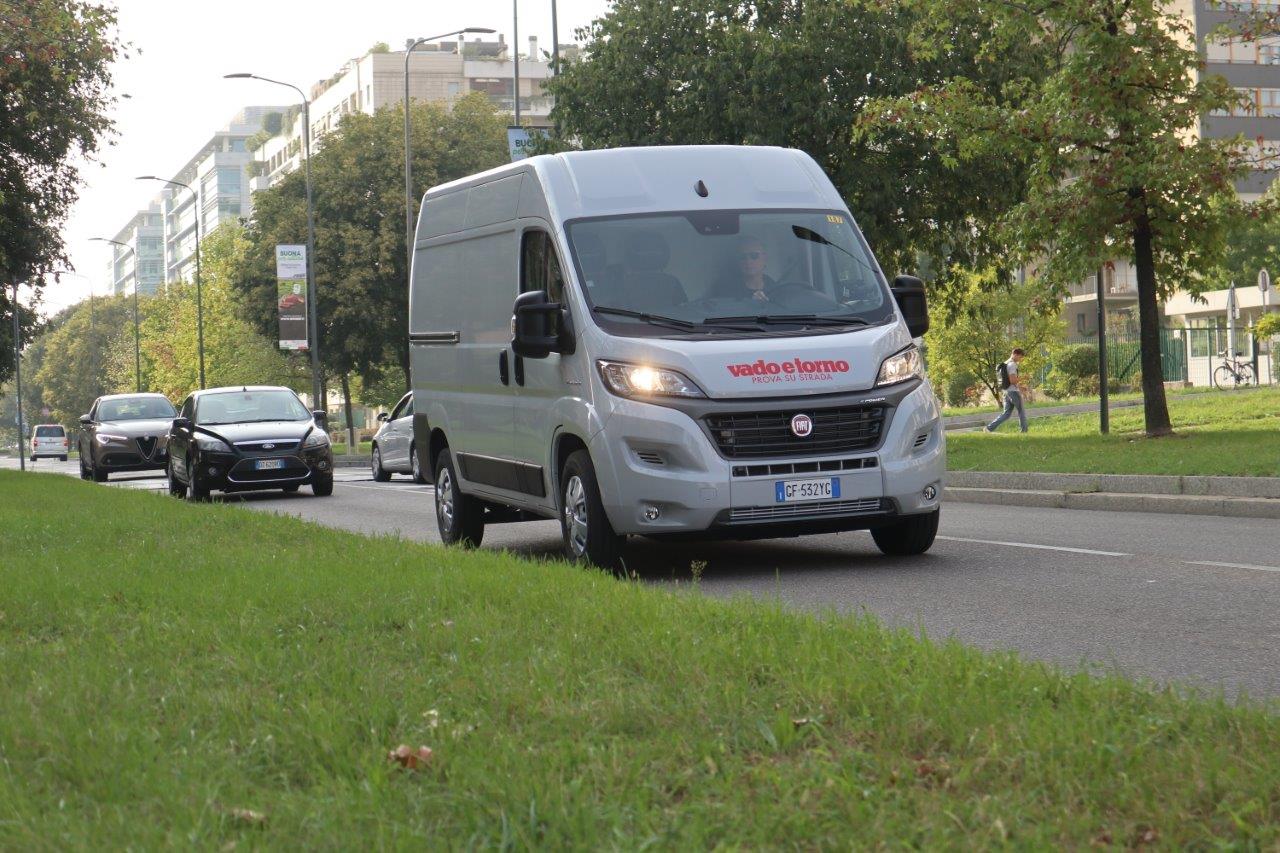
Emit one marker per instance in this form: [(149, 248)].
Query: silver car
[(393, 448)]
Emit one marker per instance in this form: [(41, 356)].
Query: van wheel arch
[(435, 443), (566, 443)]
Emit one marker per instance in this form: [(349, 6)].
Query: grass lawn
[(365, 448), (1048, 402), (1234, 434), (208, 676)]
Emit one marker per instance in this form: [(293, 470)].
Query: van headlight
[(316, 439), (901, 366), (639, 380)]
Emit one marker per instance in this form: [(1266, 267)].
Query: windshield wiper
[(655, 319), (801, 319)]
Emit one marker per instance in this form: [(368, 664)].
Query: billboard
[(518, 142), (291, 295)]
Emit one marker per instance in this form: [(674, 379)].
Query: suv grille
[(756, 435), (146, 444)]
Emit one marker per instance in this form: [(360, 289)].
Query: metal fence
[(1124, 354)]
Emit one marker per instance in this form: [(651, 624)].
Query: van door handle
[(520, 370), (503, 373)]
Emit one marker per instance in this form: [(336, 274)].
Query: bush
[(961, 389), (1074, 372)]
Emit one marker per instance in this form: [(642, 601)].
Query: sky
[(178, 99)]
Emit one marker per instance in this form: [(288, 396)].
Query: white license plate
[(791, 491), (268, 464)]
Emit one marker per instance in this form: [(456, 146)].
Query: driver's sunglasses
[(750, 256)]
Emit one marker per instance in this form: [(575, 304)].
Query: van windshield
[(727, 272)]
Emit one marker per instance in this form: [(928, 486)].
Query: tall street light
[(137, 347), (408, 162), (195, 210), (17, 376), (317, 384)]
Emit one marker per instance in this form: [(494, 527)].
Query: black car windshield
[(135, 409), (728, 272), (246, 407)]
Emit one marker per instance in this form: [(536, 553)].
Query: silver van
[(667, 342)]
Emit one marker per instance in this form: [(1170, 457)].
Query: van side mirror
[(539, 326), (86, 420), (909, 292)]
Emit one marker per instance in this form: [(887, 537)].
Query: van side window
[(539, 266)]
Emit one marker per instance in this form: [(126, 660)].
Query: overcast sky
[(178, 98)]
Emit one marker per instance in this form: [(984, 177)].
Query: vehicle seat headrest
[(648, 251)]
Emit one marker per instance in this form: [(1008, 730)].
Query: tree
[(1110, 138), (993, 320), (69, 361), (782, 72), (1252, 244), (55, 78), (358, 191)]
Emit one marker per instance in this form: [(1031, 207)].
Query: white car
[(393, 447), (49, 441)]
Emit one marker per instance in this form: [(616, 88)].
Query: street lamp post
[(17, 377), (317, 383), (555, 41), (195, 209), (515, 56), (408, 162), (137, 346)]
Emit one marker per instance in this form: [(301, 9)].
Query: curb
[(1232, 507), (350, 461), (1122, 484)]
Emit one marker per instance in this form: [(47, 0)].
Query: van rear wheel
[(909, 536), (459, 517), (584, 528)]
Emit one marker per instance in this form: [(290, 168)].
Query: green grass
[(1048, 402), (365, 448), (164, 665), (1231, 434)]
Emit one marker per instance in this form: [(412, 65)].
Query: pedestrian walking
[(1011, 384)]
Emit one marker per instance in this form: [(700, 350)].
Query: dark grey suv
[(125, 432)]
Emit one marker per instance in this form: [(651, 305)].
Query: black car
[(246, 439), (124, 432)]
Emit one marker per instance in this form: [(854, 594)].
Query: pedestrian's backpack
[(1003, 372)]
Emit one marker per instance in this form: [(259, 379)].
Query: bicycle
[(1233, 373)]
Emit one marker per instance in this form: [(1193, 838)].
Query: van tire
[(459, 517), (908, 537), (585, 530), (63, 458)]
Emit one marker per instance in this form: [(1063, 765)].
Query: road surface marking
[(403, 490), (1037, 547), (1233, 565)]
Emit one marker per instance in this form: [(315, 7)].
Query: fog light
[(213, 470), (651, 513), (930, 493), (323, 465)]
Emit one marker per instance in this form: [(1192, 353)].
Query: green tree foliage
[(992, 321), (1109, 136), (1253, 243), (782, 72), (358, 191), (71, 357), (1267, 327), (55, 78), (235, 352)]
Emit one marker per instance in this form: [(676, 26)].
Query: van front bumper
[(660, 474)]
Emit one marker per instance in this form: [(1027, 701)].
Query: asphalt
[(1193, 601)]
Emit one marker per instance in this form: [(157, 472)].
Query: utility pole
[(515, 55), (17, 377), (1104, 407), (555, 41)]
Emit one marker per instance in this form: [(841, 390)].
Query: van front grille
[(818, 509), (756, 435)]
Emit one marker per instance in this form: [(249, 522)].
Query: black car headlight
[(209, 444), (316, 441)]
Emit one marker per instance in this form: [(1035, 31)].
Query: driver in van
[(752, 259)]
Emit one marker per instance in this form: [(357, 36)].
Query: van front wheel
[(588, 536), (459, 517), (909, 536)]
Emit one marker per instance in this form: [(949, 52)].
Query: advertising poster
[(291, 296)]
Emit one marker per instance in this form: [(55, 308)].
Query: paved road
[(1172, 598)]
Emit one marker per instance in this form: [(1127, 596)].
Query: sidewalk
[(1235, 497), (959, 422)]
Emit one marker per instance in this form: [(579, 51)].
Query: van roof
[(616, 181)]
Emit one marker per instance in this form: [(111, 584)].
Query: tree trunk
[(1154, 406), (346, 403)]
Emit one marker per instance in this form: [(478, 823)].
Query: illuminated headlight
[(316, 439), (209, 443), (637, 380), (105, 438), (900, 367)]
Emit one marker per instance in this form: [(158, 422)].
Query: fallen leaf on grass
[(248, 816), (1148, 836), (410, 758)]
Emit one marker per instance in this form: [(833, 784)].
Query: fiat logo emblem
[(801, 426), (268, 447)]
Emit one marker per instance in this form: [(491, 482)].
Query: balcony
[(1089, 289)]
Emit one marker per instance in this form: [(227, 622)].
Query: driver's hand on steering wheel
[(759, 295)]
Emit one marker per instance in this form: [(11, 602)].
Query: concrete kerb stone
[(1141, 484), (1114, 502)]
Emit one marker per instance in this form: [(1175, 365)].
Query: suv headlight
[(316, 439), (209, 443), (900, 367), (638, 380), (105, 438)]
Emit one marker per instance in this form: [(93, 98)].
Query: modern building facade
[(162, 238), (439, 73)]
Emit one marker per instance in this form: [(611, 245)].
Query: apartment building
[(439, 72), (1253, 68), (162, 238)]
